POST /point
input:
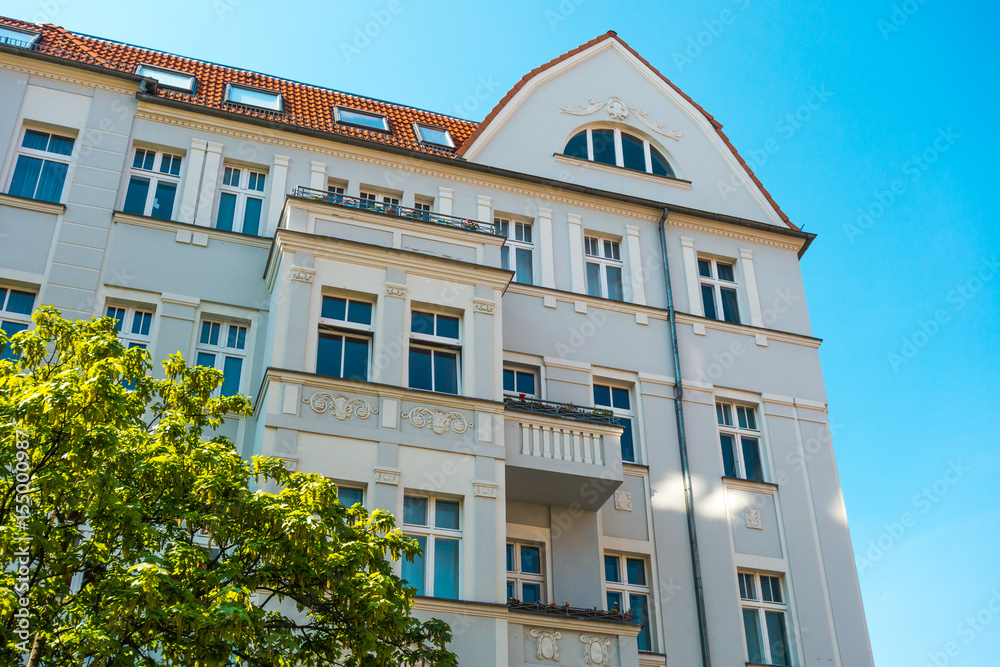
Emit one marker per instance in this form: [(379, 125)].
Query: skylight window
[(375, 121), (169, 78), (254, 97), (12, 37), (428, 134)]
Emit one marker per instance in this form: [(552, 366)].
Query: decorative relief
[(547, 644), (484, 489), (386, 476), (753, 519), (484, 306), (618, 110), (398, 291), (438, 420), (340, 406), (595, 650), (302, 274), (623, 500)]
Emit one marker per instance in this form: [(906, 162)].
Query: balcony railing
[(79, 56), (564, 410), (396, 210), (569, 612)]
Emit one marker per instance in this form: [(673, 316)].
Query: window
[(349, 496), (740, 442), (15, 314), (617, 400), (344, 346), (422, 203), (434, 352), (152, 187), (525, 572), (14, 37), (42, 163), (241, 201), (718, 290), (429, 134), (604, 268), (168, 78), (377, 198), (628, 591), (617, 148), (253, 97), (519, 382), (133, 325), (222, 346), (518, 244), (764, 625), (373, 121), (436, 524), (336, 186)]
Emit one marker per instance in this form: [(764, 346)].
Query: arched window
[(617, 148)]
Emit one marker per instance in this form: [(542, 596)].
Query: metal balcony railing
[(396, 210), (569, 612), (564, 410)]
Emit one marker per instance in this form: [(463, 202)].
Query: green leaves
[(138, 537)]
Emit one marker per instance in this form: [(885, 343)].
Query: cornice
[(55, 72), (589, 625), (32, 204), (747, 330), (210, 232)]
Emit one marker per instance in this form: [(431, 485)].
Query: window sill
[(27, 204), (209, 232), (749, 485), (622, 171)]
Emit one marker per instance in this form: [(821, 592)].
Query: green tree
[(128, 538)]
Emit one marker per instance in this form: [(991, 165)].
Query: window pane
[(614, 601), (743, 585), (594, 279), (446, 514), (360, 118), (615, 283), (611, 569), (511, 592), (35, 140), (751, 419), (751, 459), (505, 258), (119, 315), (10, 328), (725, 271), (777, 637), (349, 497), (414, 572), (51, 183), (708, 301), (635, 570), (526, 383), (577, 146), (531, 560), (256, 98), (604, 146), (628, 446), (508, 381), (447, 327), (602, 395), (20, 302), (445, 568), (523, 273), (329, 349), (60, 145), (415, 510), (206, 359), (640, 615), (730, 309), (135, 196), (751, 626), (633, 153), (333, 308), (434, 135), (25, 176), (359, 312), (704, 268), (510, 558), (232, 370), (446, 372), (356, 359), (619, 398), (170, 79), (659, 163), (163, 202), (420, 368), (422, 323), (531, 592), (251, 216), (140, 323), (227, 211), (728, 456)]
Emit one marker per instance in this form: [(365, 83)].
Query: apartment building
[(568, 346)]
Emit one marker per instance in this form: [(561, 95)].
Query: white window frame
[(728, 418), (248, 186), (17, 319), (337, 116), (336, 186), (349, 329), (221, 350), (423, 203), (608, 255), (378, 197), (45, 156), (522, 239), (518, 577), (353, 487), (431, 533), (522, 371), (620, 153), (748, 579), (10, 36), (620, 412), (624, 588), (277, 105), (419, 128), (436, 344), (127, 317), (155, 176), (169, 77), (717, 285)]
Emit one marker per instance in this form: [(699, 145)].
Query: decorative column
[(445, 200), (317, 175), (695, 307), (484, 208)]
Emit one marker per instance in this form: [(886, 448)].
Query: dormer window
[(13, 37), (428, 134), (254, 97), (358, 118), (168, 78), (620, 149)]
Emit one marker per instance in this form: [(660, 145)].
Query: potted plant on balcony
[(471, 225)]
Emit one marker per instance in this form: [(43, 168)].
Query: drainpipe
[(699, 592)]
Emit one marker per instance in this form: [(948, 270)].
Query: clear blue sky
[(926, 75)]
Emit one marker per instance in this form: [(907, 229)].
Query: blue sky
[(905, 298)]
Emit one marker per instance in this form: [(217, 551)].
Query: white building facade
[(568, 347)]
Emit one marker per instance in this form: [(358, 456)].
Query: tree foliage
[(131, 539)]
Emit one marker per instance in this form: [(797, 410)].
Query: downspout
[(699, 592)]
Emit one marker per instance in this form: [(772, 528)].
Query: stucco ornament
[(595, 650), (753, 519), (619, 110), (340, 406), (547, 644), (623, 501), (438, 420)]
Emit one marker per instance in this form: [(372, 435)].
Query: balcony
[(539, 634), (560, 454), (395, 210)]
